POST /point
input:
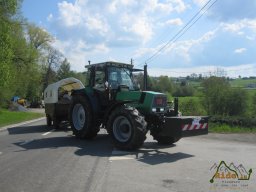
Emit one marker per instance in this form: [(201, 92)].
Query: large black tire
[(127, 128), (48, 120), (164, 140), (81, 118)]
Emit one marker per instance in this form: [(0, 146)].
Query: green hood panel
[(142, 100)]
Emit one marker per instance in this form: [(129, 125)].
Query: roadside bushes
[(183, 91), (235, 121), (191, 106), (221, 99)]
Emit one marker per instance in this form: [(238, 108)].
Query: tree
[(183, 91), (254, 105), (165, 84), (237, 102), (215, 90), (8, 9), (38, 38), (221, 99), (64, 70), (52, 61)]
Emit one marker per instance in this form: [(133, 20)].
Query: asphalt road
[(34, 157)]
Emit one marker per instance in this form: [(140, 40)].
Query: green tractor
[(113, 101)]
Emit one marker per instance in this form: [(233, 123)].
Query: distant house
[(251, 85)]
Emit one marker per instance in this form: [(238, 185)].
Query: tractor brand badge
[(230, 176)]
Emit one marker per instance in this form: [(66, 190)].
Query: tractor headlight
[(153, 109)]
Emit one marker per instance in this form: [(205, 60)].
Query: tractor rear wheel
[(127, 128), (81, 118)]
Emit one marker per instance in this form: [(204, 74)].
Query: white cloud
[(97, 24), (90, 30), (116, 4), (240, 50), (244, 28), (140, 26), (79, 52), (70, 14), (200, 3), (182, 49), (180, 6), (176, 21), (49, 17), (166, 7)]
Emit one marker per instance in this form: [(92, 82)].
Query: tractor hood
[(145, 101)]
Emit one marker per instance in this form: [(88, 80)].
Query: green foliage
[(7, 10), (191, 106), (234, 121), (221, 99), (236, 102), (64, 70), (183, 91), (38, 38), (81, 76), (162, 84), (215, 90), (254, 105), (224, 128)]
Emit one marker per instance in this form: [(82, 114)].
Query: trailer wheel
[(127, 128), (56, 123), (48, 120), (81, 118)]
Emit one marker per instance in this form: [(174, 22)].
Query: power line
[(185, 30), (181, 31)]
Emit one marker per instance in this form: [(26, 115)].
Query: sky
[(173, 37)]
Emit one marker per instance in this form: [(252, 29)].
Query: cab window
[(99, 79)]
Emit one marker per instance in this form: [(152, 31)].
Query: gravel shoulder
[(237, 137), (36, 110)]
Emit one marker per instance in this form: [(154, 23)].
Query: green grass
[(241, 82), (223, 128), (11, 117)]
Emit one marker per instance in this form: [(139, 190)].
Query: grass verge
[(223, 128), (12, 117)]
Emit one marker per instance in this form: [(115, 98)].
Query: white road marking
[(44, 134), (1, 153), (26, 142), (20, 124), (116, 158), (120, 155)]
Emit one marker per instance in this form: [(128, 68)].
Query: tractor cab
[(111, 77)]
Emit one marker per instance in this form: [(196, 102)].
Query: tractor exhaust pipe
[(176, 106), (145, 78)]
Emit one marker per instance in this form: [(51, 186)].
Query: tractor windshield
[(120, 76)]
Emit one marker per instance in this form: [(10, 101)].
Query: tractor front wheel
[(127, 128), (165, 140), (81, 118)]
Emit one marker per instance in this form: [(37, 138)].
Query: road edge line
[(19, 124)]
